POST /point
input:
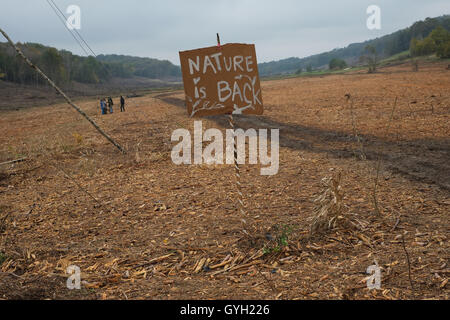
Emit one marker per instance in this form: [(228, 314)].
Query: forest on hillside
[(65, 67), (142, 67), (437, 42), (385, 46)]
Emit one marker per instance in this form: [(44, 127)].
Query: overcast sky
[(159, 29)]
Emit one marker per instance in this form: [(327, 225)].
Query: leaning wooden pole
[(62, 93)]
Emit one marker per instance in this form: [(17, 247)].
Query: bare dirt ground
[(140, 227)]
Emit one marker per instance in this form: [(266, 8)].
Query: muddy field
[(140, 227)]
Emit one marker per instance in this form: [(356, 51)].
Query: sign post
[(223, 79)]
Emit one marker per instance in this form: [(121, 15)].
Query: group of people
[(107, 104)]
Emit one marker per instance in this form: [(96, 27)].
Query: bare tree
[(371, 58)]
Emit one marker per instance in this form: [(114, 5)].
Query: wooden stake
[(409, 265), (241, 206), (237, 169)]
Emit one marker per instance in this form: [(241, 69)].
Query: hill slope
[(143, 67), (386, 46)]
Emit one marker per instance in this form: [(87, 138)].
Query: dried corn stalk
[(329, 207)]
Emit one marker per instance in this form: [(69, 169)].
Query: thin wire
[(79, 35), (70, 31), (63, 20)]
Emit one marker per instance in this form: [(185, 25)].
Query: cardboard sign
[(222, 80)]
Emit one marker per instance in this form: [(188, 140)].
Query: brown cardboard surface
[(222, 80)]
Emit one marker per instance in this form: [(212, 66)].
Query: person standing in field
[(122, 104), (110, 104), (105, 103), (103, 106)]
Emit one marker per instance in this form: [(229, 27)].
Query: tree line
[(64, 67), (437, 42)]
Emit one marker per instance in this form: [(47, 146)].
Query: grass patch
[(279, 240), (3, 258), (3, 217)]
